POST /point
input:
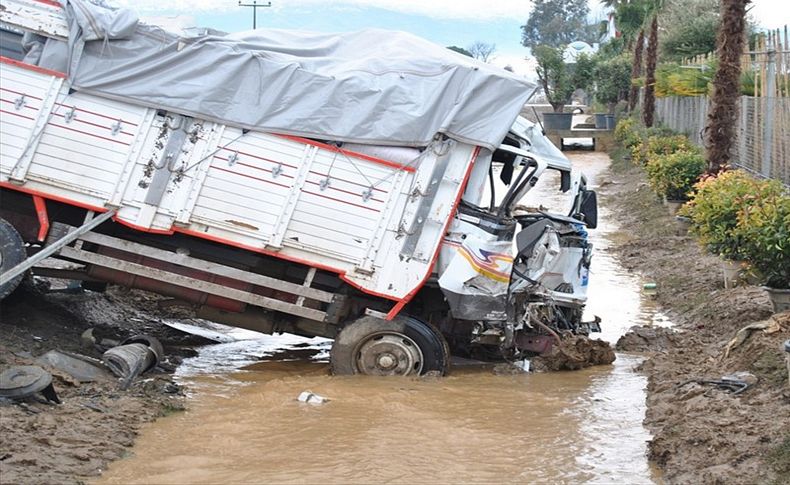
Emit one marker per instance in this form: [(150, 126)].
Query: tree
[(636, 71), (688, 28), (582, 73), (557, 23), (722, 117), (460, 50), (630, 16), (481, 51), (554, 76), (612, 80), (649, 108)]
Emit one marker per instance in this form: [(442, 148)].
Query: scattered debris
[(650, 289), (772, 325), (310, 398), (135, 356), (79, 367), (24, 381), (741, 376), (200, 332), (87, 339), (736, 382)]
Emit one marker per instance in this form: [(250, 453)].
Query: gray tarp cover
[(372, 86)]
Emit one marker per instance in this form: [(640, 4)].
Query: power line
[(255, 5)]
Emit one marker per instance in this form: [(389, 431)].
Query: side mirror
[(589, 208)]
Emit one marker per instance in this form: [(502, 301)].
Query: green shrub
[(639, 152), (656, 145), (623, 129), (672, 175), (659, 131), (628, 133), (714, 208), (763, 228)]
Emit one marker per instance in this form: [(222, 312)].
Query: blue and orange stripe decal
[(487, 263)]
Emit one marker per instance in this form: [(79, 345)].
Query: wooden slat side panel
[(21, 98), (187, 282), (208, 266)]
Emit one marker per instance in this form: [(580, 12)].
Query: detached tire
[(12, 252), (401, 347)]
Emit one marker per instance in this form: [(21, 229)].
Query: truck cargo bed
[(376, 222)]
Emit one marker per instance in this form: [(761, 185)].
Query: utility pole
[(255, 5)]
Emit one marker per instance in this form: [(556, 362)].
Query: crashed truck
[(333, 185)]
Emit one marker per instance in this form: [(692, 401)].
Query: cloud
[(521, 65), (175, 23), (770, 14), (453, 9)]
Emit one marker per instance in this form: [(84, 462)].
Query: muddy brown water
[(244, 424)]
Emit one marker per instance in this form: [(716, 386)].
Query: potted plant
[(714, 208), (612, 82), (555, 78), (763, 228)]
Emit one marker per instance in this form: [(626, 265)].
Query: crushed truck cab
[(364, 187)]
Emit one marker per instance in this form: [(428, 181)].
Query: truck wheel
[(401, 347), (12, 252)]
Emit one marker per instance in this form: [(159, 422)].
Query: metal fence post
[(768, 119), (743, 114)]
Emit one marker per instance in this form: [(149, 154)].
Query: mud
[(574, 353), (96, 423), (648, 339), (702, 434)]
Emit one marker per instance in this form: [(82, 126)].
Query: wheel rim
[(388, 354)]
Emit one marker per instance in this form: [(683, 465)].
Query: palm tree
[(722, 117), (631, 16), (649, 108), (636, 71)]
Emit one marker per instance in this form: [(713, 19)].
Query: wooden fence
[(763, 135)]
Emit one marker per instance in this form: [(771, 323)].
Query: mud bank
[(702, 434), (96, 422)]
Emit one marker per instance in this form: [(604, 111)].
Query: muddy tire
[(404, 346), (12, 252)]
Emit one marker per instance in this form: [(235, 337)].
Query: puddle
[(245, 424)]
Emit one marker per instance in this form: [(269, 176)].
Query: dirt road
[(702, 434), (96, 423)]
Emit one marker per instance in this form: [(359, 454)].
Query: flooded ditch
[(244, 423)]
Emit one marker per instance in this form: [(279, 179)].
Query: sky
[(445, 22)]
